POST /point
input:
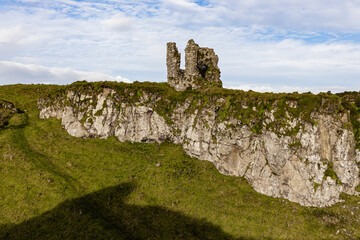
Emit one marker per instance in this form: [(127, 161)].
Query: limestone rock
[(4, 105), (271, 162)]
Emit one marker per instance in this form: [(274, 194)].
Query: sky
[(263, 45)]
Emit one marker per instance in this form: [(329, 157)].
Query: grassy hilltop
[(54, 186)]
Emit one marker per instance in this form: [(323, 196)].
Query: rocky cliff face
[(298, 147)]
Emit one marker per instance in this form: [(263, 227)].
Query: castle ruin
[(201, 67)]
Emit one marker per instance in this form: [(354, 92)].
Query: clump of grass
[(329, 172), (11, 116), (18, 120), (316, 186), (5, 115)]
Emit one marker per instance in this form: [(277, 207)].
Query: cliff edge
[(302, 147)]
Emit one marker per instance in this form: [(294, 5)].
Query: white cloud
[(9, 34), (119, 22), (182, 5), (289, 89), (13, 73), (128, 38), (26, 60), (325, 15)]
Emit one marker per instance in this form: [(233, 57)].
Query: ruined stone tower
[(201, 69)]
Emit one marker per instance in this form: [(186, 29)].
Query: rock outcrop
[(201, 67), (7, 110), (284, 148)]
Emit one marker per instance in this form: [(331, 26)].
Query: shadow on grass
[(105, 215), (42, 161)]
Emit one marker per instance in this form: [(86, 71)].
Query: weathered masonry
[(201, 67)]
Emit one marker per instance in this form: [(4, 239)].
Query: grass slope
[(54, 186)]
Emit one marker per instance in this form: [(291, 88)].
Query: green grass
[(329, 172), (54, 186)]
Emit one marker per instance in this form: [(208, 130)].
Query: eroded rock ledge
[(296, 146)]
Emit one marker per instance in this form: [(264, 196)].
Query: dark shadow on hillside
[(42, 161), (105, 215)]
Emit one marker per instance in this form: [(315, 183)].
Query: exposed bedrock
[(311, 166)]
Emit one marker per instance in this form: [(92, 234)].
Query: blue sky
[(263, 45)]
